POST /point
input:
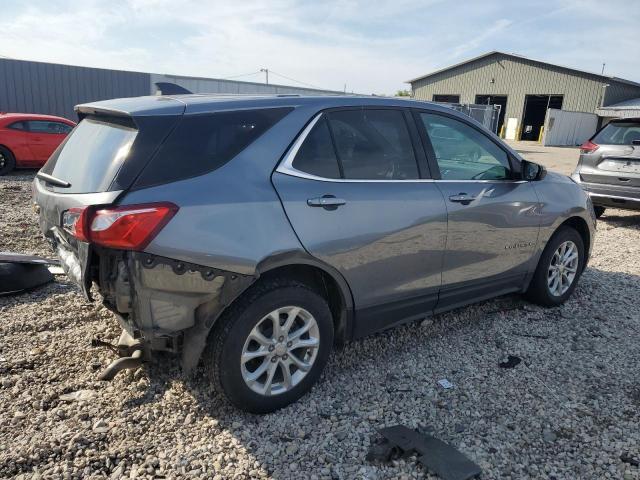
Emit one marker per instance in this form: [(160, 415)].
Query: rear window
[(618, 133), (203, 143), (91, 156)]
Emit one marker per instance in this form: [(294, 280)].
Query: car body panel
[(494, 236), (30, 149), (385, 247), (387, 240)]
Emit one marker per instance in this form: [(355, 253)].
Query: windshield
[(91, 155), (618, 133)]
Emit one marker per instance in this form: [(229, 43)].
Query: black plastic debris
[(511, 362), (627, 458), (435, 455), (19, 273)]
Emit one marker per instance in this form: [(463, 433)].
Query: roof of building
[(521, 57)]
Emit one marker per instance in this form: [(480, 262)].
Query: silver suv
[(252, 235), (609, 166)]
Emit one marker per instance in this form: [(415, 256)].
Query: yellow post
[(501, 134), (541, 133)]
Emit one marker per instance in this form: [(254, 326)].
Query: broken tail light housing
[(128, 227), (589, 147)]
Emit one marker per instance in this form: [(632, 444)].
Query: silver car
[(609, 166), (252, 235)]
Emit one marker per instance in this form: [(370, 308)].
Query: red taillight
[(589, 147), (129, 227), (76, 222)]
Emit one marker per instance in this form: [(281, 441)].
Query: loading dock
[(535, 111)]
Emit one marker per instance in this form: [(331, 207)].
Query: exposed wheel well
[(326, 285), (580, 225), (8, 150)]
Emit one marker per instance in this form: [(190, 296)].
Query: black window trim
[(285, 166), (514, 163)]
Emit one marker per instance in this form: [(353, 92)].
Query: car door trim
[(286, 164)]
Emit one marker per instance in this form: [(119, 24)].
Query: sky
[(367, 46)]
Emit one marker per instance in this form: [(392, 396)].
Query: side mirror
[(532, 171)]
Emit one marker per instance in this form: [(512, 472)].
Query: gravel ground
[(570, 410)]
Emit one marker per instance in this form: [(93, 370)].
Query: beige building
[(524, 88)]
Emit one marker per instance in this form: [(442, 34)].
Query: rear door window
[(463, 152), (373, 144), (202, 143), (618, 133), (91, 156), (317, 155)]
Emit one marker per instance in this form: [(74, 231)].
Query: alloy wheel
[(563, 268), (280, 350), (3, 161)]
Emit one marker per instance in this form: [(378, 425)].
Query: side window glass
[(464, 153), (316, 155), (17, 126), (373, 145)]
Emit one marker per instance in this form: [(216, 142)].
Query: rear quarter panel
[(231, 218)]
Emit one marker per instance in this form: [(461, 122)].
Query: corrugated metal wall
[(514, 77), (53, 89), (212, 85)]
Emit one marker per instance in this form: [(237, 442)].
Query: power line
[(243, 75), (294, 80)]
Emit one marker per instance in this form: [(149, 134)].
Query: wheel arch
[(580, 225), (323, 277)]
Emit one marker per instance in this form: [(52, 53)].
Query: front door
[(492, 220), (352, 189)]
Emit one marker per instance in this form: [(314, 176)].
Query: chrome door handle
[(462, 198), (328, 202)]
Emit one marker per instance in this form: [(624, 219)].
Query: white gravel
[(568, 411)]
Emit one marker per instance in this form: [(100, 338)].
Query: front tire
[(271, 346), (559, 268), (7, 161)]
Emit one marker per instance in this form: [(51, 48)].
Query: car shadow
[(391, 377), (621, 218)]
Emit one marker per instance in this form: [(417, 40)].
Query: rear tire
[(244, 343), (7, 161), (599, 211), (557, 274)]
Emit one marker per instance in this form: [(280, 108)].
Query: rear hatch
[(612, 156), (94, 166)]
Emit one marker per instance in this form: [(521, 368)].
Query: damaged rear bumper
[(162, 303)]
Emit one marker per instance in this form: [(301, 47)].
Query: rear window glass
[(618, 133), (316, 155), (92, 155), (373, 144), (203, 143)]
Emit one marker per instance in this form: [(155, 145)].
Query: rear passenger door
[(492, 219), (355, 187)]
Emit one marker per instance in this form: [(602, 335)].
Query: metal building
[(524, 88), (54, 89)]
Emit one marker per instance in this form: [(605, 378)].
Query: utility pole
[(266, 72), (603, 64)]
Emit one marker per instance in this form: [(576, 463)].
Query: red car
[(27, 140)]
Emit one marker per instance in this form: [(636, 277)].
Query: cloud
[(372, 47)]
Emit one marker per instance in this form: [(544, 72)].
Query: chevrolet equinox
[(251, 235)]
